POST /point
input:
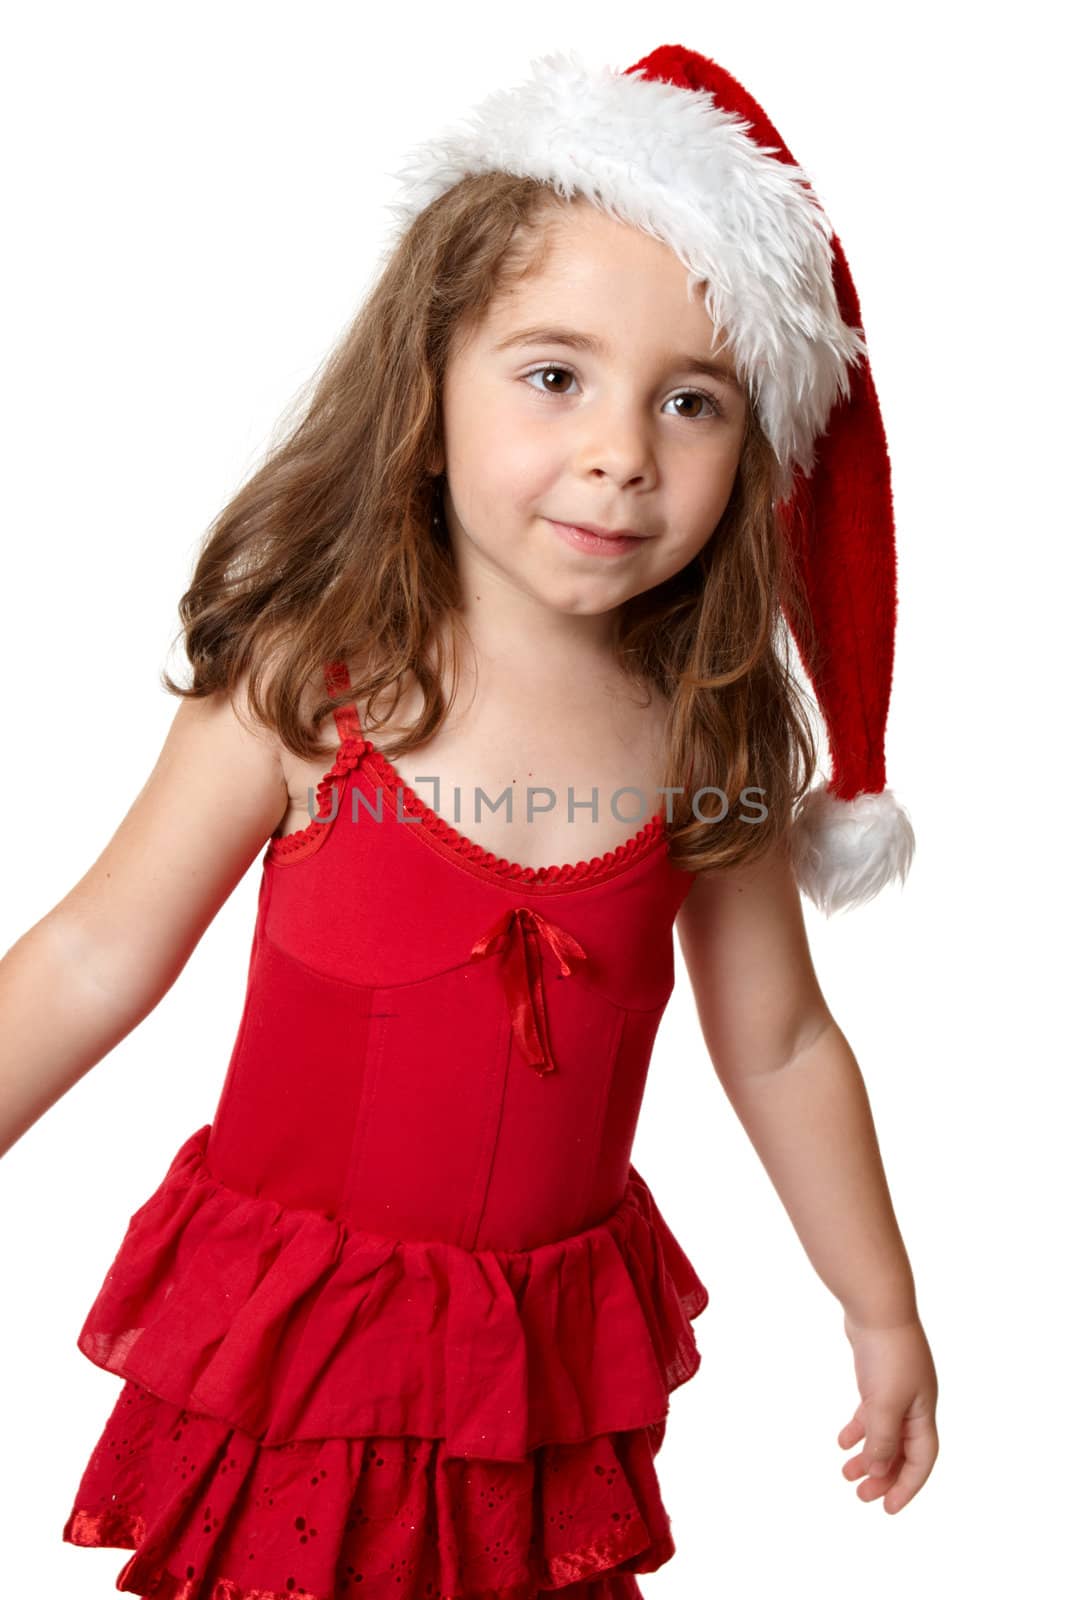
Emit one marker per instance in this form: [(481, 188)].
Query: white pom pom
[(846, 851)]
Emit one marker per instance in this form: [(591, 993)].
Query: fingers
[(872, 1487), (892, 1472), (881, 1429), (852, 1432), (909, 1480), (883, 1442)]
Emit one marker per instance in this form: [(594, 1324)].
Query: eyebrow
[(597, 347)]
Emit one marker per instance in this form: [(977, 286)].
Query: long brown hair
[(331, 551)]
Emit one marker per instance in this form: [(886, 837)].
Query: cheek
[(501, 466), (706, 491), (698, 507)]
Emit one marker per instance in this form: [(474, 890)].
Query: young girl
[(403, 1319)]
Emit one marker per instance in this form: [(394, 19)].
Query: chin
[(590, 600)]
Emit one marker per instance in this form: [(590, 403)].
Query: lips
[(605, 533), (584, 537)]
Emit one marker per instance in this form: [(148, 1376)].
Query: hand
[(895, 1416)]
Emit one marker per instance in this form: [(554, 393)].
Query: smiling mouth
[(595, 543)]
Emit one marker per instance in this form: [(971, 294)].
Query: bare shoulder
[(761, 895), (206, 808), (747, 916), (745, 945), (215, 790)]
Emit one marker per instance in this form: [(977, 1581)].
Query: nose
[(615, 441)]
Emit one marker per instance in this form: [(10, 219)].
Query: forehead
[(598, 285)]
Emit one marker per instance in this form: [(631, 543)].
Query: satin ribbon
[(518, 934)]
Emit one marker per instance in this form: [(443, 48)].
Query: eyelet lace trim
[(639, 844), (377, 1515)]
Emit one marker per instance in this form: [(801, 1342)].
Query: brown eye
[(563, 372), (699, 394), (712, 401)]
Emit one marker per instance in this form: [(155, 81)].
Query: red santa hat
[(677, 147)]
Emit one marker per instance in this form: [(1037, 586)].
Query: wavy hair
[(332, 551)]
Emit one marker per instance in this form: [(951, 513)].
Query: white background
[(194, 203)]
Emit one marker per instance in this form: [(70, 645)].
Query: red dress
[(403, 1320)]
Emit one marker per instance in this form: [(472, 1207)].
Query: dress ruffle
[(213, 1515), (289, 1324), (312, 1409)]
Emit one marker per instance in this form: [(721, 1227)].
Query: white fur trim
[(667, 160), (845, 851)]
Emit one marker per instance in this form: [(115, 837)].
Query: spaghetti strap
[(346, 717)]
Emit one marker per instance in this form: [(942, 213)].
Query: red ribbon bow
[(520, 971)]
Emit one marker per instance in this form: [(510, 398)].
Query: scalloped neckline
[(468, 853), (356, 750)]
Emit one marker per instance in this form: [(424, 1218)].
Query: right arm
[(79, 980)]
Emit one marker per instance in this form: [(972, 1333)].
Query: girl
[(403, 1319)]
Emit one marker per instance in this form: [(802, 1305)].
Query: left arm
[(795, 1085)]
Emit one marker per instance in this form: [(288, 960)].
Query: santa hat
[(677, 147)]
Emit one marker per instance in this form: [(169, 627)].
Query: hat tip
[(844, 852)]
